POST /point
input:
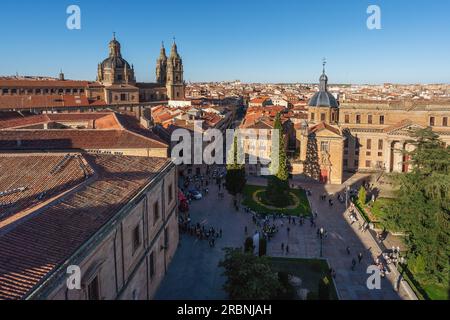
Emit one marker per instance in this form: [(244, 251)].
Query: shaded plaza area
[(194, 273)]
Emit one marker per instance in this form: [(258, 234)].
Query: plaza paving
[(194, 274)]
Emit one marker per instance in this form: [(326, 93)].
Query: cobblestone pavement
[(194, 274)]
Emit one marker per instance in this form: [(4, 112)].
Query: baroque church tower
[(115, 69), (175, 84), (161, 67)]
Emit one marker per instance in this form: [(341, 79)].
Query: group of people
[(201, 232)]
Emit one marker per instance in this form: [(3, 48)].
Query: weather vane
[(324, 62)]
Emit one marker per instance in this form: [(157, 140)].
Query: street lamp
[(321, 234), (347, 189)]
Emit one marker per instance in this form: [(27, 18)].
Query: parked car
[(196, 195)]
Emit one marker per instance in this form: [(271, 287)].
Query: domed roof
[(115, 59), (115, 62), (323, 99)]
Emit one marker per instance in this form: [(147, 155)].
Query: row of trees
[(278, 185), (422, 207)]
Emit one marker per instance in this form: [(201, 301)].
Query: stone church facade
[(119, 83), (362, 137)]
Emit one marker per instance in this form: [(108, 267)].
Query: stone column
[(398, 156)]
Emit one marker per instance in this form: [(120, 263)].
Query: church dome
[(115, 59), (323, 98), (115, 62)]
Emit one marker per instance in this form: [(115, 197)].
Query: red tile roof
[(47, 101), (322, 126), (105, 131), (15, 83), (34, 247), (74, 139)]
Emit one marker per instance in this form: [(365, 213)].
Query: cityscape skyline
[(228, 47)]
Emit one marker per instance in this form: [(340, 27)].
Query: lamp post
[(347, 189), (321, 235)]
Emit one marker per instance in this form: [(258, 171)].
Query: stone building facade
[(367, 137), (109, 221), (115, 87)]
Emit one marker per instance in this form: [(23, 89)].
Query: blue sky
[(250, 40)]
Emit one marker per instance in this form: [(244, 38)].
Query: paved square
[(194, 273)]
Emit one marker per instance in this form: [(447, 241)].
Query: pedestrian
[(353, 264), (246, 230), (287, 249), (288, 230), (348, 250), (282, 246), (220, 233), (360, 257)]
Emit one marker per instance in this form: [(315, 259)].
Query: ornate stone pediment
[(402, 128)]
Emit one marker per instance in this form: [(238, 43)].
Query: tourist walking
[(360, 257), (353, 264)]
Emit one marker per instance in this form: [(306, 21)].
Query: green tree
[(311, 165), (235, 179), (278, 184), (421, 209), (362, 196), (248, 277)]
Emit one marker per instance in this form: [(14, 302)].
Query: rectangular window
[(368, 164), (322, 117), (166, 238), (94, 290), (444, 121), (312, 116), (369, 119), (432, 121), (369, 144), (347, 118), (155, 212), (381, 119), (123, 97), (152, 265), (324, 146), (5, 91), (136, 238), (380, 154), (380, 144), (358, 118), (170, 193), (368, 153)]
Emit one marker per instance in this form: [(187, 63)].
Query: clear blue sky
[(250, 40)]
